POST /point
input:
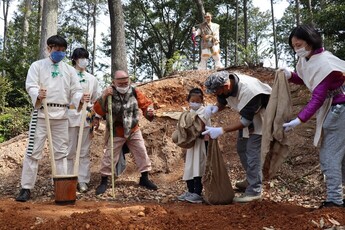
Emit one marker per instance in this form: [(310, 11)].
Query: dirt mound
[(289, 199)]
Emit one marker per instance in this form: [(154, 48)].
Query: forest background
[(149, 38)]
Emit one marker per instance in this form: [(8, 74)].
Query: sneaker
[(194, 198), (330, 204), (242, 185), (183, 196), (82, 186), (24, 195), (147, 184), (246, 198)]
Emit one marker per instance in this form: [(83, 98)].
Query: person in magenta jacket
[(323, 74)]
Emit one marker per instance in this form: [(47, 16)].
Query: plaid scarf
[(125, 110)]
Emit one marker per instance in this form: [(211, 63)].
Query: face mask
[(82, 63), (194, 105), (122, 90), (302, 52), (57, 56)]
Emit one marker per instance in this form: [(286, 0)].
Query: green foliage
[(248, 56), (176, 63), (160, 28), (5, 87), (13, 121), (330, 20)]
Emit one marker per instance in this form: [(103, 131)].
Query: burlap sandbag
[(216, 181)]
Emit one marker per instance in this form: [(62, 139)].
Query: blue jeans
[(332, 152)]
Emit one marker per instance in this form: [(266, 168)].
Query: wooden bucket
[(65, 187)]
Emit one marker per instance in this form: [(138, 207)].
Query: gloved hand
[(292, 124), (214, 132), (210, 109), (287, 73)]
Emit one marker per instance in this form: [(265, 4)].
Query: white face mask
[(122, 90), (302, 52), (194, 105), (82, 63)]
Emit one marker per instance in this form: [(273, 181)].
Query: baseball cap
[(216, 80)]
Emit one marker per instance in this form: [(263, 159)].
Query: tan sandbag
[(216, 181), (275, 142), (188, 128)]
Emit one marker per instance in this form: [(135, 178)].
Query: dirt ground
[(291, 198)]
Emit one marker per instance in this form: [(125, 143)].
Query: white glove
[(210, 109), (287, 73), (292, 124), (214, 132)]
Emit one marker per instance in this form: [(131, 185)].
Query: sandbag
[(189, 127), (216, 181)]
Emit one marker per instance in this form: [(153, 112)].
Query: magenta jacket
[(333, 81)]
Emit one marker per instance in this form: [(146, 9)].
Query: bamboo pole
[(49, 133), (80, 136), (110, 114)]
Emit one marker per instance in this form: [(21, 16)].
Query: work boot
[(145, 182), (103, 186), (329, 204), (24, 195), (242, 185)]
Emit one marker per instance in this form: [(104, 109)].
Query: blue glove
[(210, 109), (292, 124), (214, 132)]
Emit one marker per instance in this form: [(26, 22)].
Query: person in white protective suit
[(90, 84), (209, 33), (55, 81)]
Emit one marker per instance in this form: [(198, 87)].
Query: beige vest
[(312, 72), (248, 88)]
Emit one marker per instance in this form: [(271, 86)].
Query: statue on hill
[(209, 33)]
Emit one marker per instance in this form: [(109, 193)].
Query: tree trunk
[(274, 36), (236, 34), (27, 13), (117, 30), (94, 20), (49, 23), (88, 19), (201, 8), (297, 13), (310, 11), (39, 19), (5, 7), (245, 15)]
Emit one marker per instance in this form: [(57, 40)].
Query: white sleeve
[(97, 91), (32, 83), (216, 31), (76, 91), (198, 32)]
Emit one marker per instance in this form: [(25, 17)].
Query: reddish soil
[(291, 198)]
